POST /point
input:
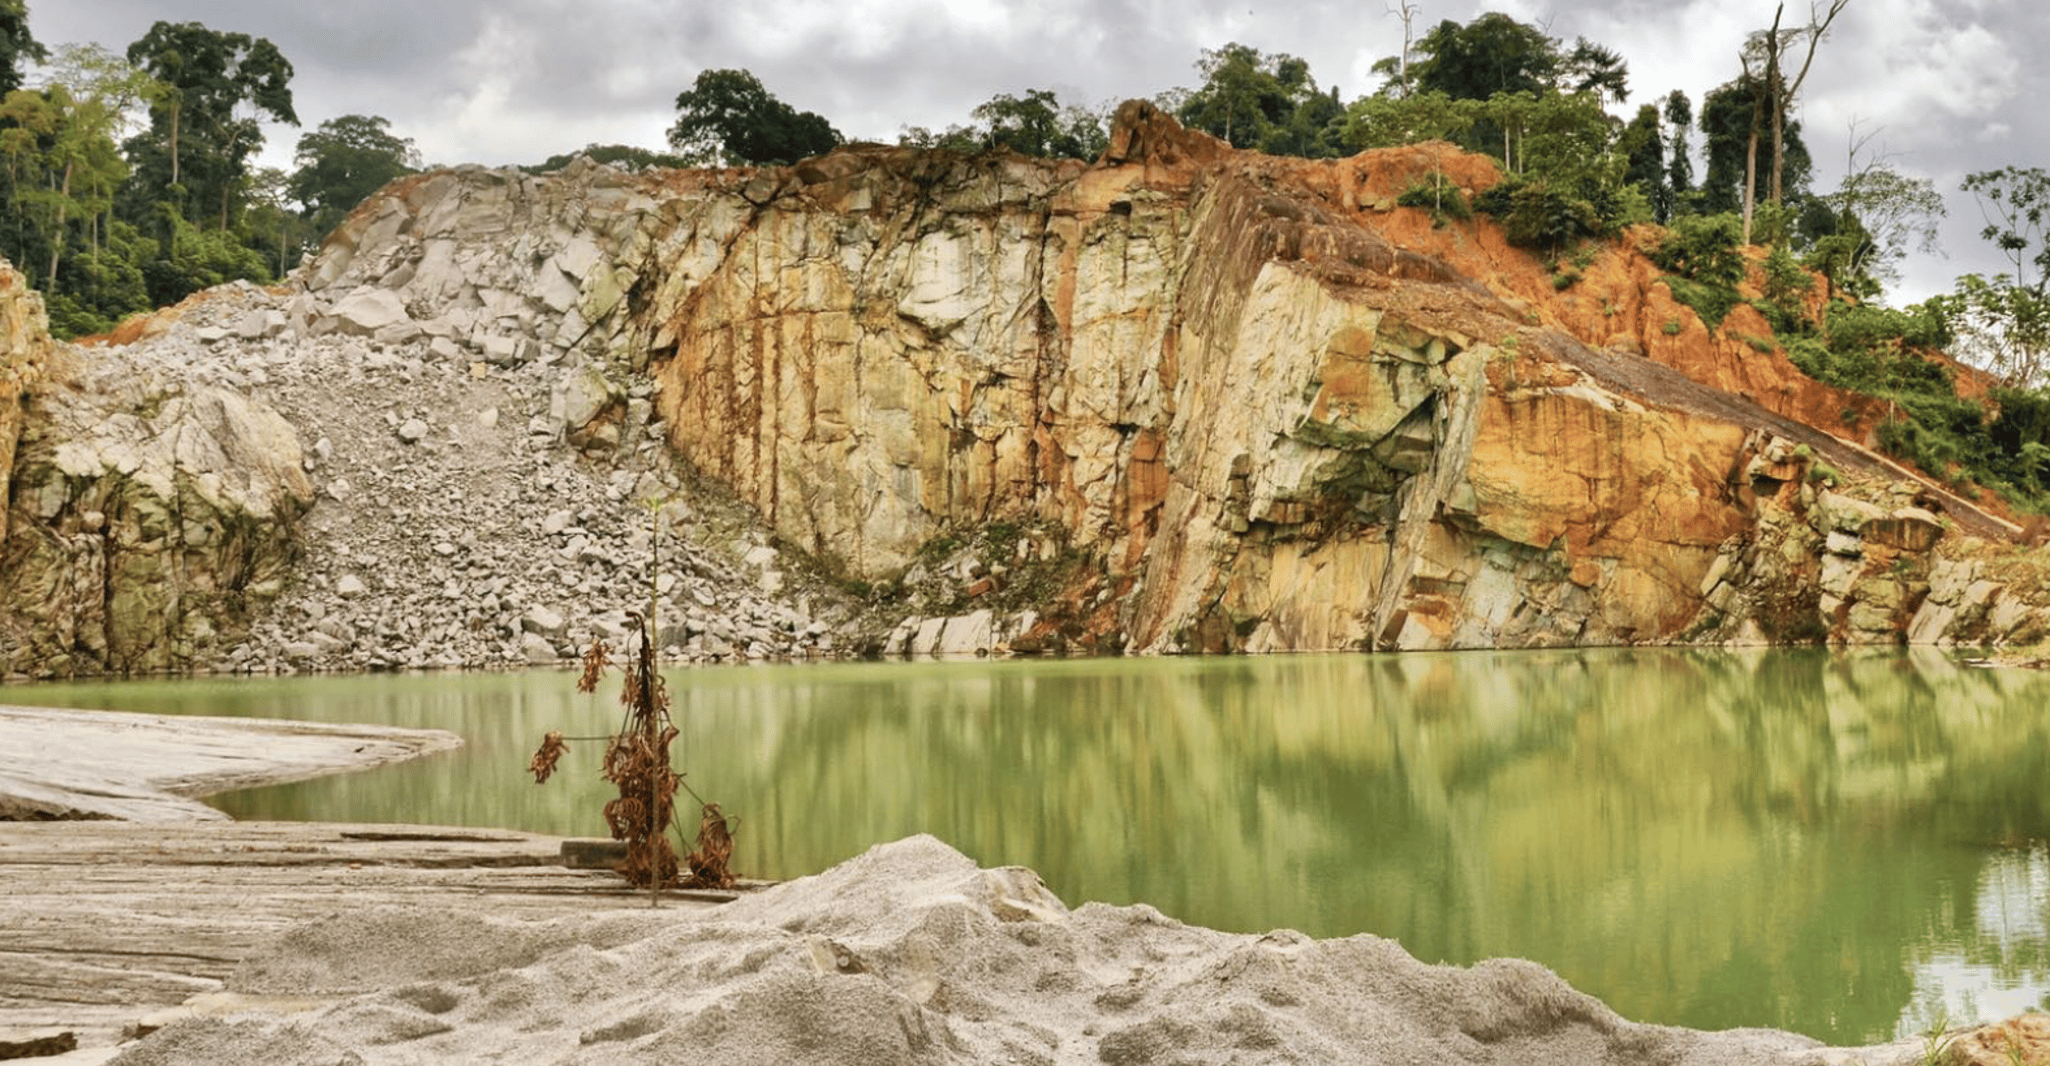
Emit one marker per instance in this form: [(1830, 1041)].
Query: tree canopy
[(727, 116), (345, 160), (203, 119)]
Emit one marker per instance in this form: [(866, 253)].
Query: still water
[(1846, 845)]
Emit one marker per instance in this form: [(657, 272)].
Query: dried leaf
[(544, 760)]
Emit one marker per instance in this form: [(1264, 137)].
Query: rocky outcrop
[(1236, 403), (24, 351), (149, 518)]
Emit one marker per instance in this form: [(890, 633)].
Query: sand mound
[(907, 954)]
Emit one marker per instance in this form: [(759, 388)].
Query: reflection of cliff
[(1756, 829), (1705, 838)]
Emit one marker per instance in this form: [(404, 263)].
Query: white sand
[(907, 954)]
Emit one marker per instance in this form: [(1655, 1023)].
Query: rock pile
[(458, 522)]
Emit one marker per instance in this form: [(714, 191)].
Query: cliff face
[(1232, 402), (145, 514), (1274, 426)]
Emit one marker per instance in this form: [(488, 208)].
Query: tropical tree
[(204, 121), (17, 46), (1037, 124), (1492, 54), (2003, 322), (1644, 152), (728, 117), (345, 160), (62, 163), (1679, 115), (1245, 94)]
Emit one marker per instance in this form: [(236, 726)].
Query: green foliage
[(1727, 116), (1492, 54), (1037, 125), (1710, 301), (613, 154), (1787, 288), (1703, 248), (17, 46), (1386, 121), (1257, 100), (345, 160), (203, 119), (190, 259), (1436, 194), (1877, 351), (727, 116)]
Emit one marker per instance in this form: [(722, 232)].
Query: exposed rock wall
[(1238, 403), (148, 517)]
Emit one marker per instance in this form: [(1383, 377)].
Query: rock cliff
[(1182, 399)]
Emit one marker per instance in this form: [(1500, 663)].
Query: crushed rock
[(452, 509)]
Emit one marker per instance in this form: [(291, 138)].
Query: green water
[(1843, 845)]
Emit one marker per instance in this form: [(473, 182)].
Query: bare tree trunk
[(1779, 103), (1750, 179), (57, 238)]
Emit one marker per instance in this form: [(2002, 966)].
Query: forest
[(131, 181)]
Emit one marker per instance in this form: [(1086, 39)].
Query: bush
[(1703, 248), (1712, 302), (1436, 194)]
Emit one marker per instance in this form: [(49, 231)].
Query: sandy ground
[(909, 953)]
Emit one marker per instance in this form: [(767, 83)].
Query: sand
[(909, 953)]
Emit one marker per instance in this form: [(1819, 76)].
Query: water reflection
[(1837, 844)]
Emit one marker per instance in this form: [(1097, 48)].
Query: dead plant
[(637, 763)]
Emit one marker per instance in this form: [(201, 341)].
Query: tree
[(1386, 121), (16, 44), (345, 160), (1037, 125), (1729, 123), (2003, 323), (727, 116), (1679, 112), (1245, 93), (1644, 152), (1873, 219), (1591, 68), (1771, 95), (63, 166), (203, 123), (1492, 54)]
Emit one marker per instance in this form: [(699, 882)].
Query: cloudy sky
[(1944, 87)]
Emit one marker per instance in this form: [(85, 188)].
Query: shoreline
[(251, 941), (65, 764)]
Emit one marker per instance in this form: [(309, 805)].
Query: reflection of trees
[(1705, 838)]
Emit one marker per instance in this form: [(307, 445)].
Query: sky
[(1941, 88)]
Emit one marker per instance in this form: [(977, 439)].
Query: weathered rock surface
[(65, 764), (1233, 403), (147, 514)]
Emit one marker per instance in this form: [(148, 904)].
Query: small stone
[(412, 430), (350, 586)]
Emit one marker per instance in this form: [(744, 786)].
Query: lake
[(1848, 845)]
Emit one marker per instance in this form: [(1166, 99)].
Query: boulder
[(368, 311)]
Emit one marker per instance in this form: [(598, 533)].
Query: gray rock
[(412, 430), (369, 310), (543, 620), (350, 586)]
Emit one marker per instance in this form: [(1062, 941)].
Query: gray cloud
[(1948, 86)]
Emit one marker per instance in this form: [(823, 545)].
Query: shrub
[(1436, 193), (1703, 248)]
